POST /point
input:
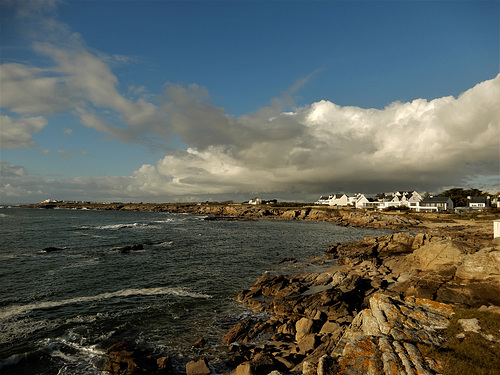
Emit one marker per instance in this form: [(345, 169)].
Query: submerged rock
[(128, 249), (51, 249)]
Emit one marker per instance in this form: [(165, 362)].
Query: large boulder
[(303, 327), (483, 265), (354, 252), (441, 256), (199, 367), (239, 332)]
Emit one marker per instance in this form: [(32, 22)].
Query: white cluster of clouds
[(17, 133), (318, 148), (326, 147)]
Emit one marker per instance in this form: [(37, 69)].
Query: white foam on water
[(80, 358), (166, 243), (114, 226), (23, 309), (121, 226), (164, 221)]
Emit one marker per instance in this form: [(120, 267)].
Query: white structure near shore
[(409, 199), (334, 200)]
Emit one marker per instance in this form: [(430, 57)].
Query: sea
[(61, 309)]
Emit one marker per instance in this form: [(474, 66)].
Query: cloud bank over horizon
[(279, 151), (318, 148)]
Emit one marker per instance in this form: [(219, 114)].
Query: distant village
[(406, 199), (399, 200)]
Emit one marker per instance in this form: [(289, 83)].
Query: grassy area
[(470, 353)]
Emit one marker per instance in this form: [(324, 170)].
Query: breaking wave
[(23, 309)]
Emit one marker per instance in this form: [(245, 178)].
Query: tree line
[(459, 195)]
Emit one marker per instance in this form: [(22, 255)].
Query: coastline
[(433, 267), (347, 217)]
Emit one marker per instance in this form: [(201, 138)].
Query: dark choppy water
[(59, 310)]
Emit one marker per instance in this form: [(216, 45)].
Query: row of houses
[(410, 199)]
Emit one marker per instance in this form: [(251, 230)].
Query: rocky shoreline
[(388, 296), (385, 308)]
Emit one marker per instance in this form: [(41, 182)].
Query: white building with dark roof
[(435, 204)]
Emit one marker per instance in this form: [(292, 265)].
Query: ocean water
[(59, 310)]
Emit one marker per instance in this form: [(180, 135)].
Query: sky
[(189, 101)]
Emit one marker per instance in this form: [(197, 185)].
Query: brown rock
[(126, 359), (308, 343), (285, 362), (239, 332), (244, 368), (200, 343), (261, 364), (199, 367), (483, 265), (330, 327), (436, 256), (164, 364), (303, 327)]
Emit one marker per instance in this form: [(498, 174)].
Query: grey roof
[(477, 200), (436, 200)]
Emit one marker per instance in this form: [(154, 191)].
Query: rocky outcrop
[(389, 297), (441, 257), (376, 219), (483, 265), (378, 248), (322, 322), (126, 359), (384, 338)]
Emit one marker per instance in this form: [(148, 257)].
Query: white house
[(255, 201), (50, 201), (363, 202), (399, 198), (414, 200), (389, 201), (478, 203), (495, 201), (435, 204), (334, 200)]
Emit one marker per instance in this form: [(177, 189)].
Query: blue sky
[(196, 100)]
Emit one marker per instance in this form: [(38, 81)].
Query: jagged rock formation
[(383, 338), (369, 315)]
